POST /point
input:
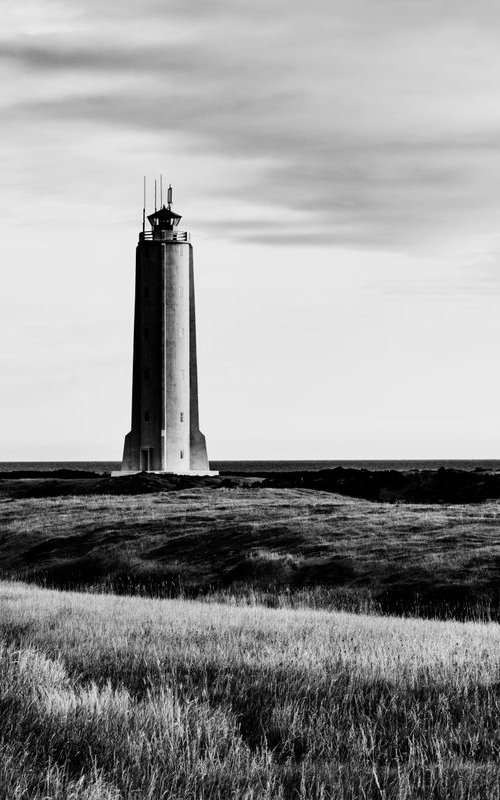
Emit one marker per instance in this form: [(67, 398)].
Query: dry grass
[(120, 698), (444, 559)]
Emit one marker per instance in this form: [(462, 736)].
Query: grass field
[(283, 544), (119, 698)]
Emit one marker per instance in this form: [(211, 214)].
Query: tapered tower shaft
[(165, 434)]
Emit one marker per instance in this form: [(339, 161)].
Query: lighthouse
[(165, 434)]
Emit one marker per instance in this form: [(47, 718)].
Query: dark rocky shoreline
[(394, 486), (441, 486)]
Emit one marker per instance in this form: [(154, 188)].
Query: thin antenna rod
[(161, 191), (169, 196), (155, 195), (144, 207)]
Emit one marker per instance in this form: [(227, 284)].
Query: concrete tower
[(165, 435)]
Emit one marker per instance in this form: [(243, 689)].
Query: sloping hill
[(330, 549)]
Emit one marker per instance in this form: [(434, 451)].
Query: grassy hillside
[(109, 698), (319, 547)]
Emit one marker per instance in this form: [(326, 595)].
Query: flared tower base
[(193, 473)]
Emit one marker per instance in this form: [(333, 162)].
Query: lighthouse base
[(188, 473)]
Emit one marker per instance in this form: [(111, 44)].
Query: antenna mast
[(169, 196), (144, 207)]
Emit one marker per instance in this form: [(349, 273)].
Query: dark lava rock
[(394, 486), (140, 483), (62, 474)]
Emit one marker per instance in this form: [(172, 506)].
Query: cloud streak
[(378, 127)]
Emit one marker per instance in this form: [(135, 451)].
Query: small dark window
[(146, 416), (182, 416), (182, 453)]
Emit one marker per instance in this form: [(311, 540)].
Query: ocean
[(491, 465)]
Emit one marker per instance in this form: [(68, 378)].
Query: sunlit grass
[(116, 697)]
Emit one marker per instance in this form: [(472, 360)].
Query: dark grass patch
[(435, 560)]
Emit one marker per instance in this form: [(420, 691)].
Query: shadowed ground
[(235, 536), (392, 486)]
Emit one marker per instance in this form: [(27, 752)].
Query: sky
[(338, 168)]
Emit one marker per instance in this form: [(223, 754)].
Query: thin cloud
[(344, 118)]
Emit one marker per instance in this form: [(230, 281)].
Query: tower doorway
[(146, 459)]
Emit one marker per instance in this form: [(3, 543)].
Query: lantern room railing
[(164, 236)]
